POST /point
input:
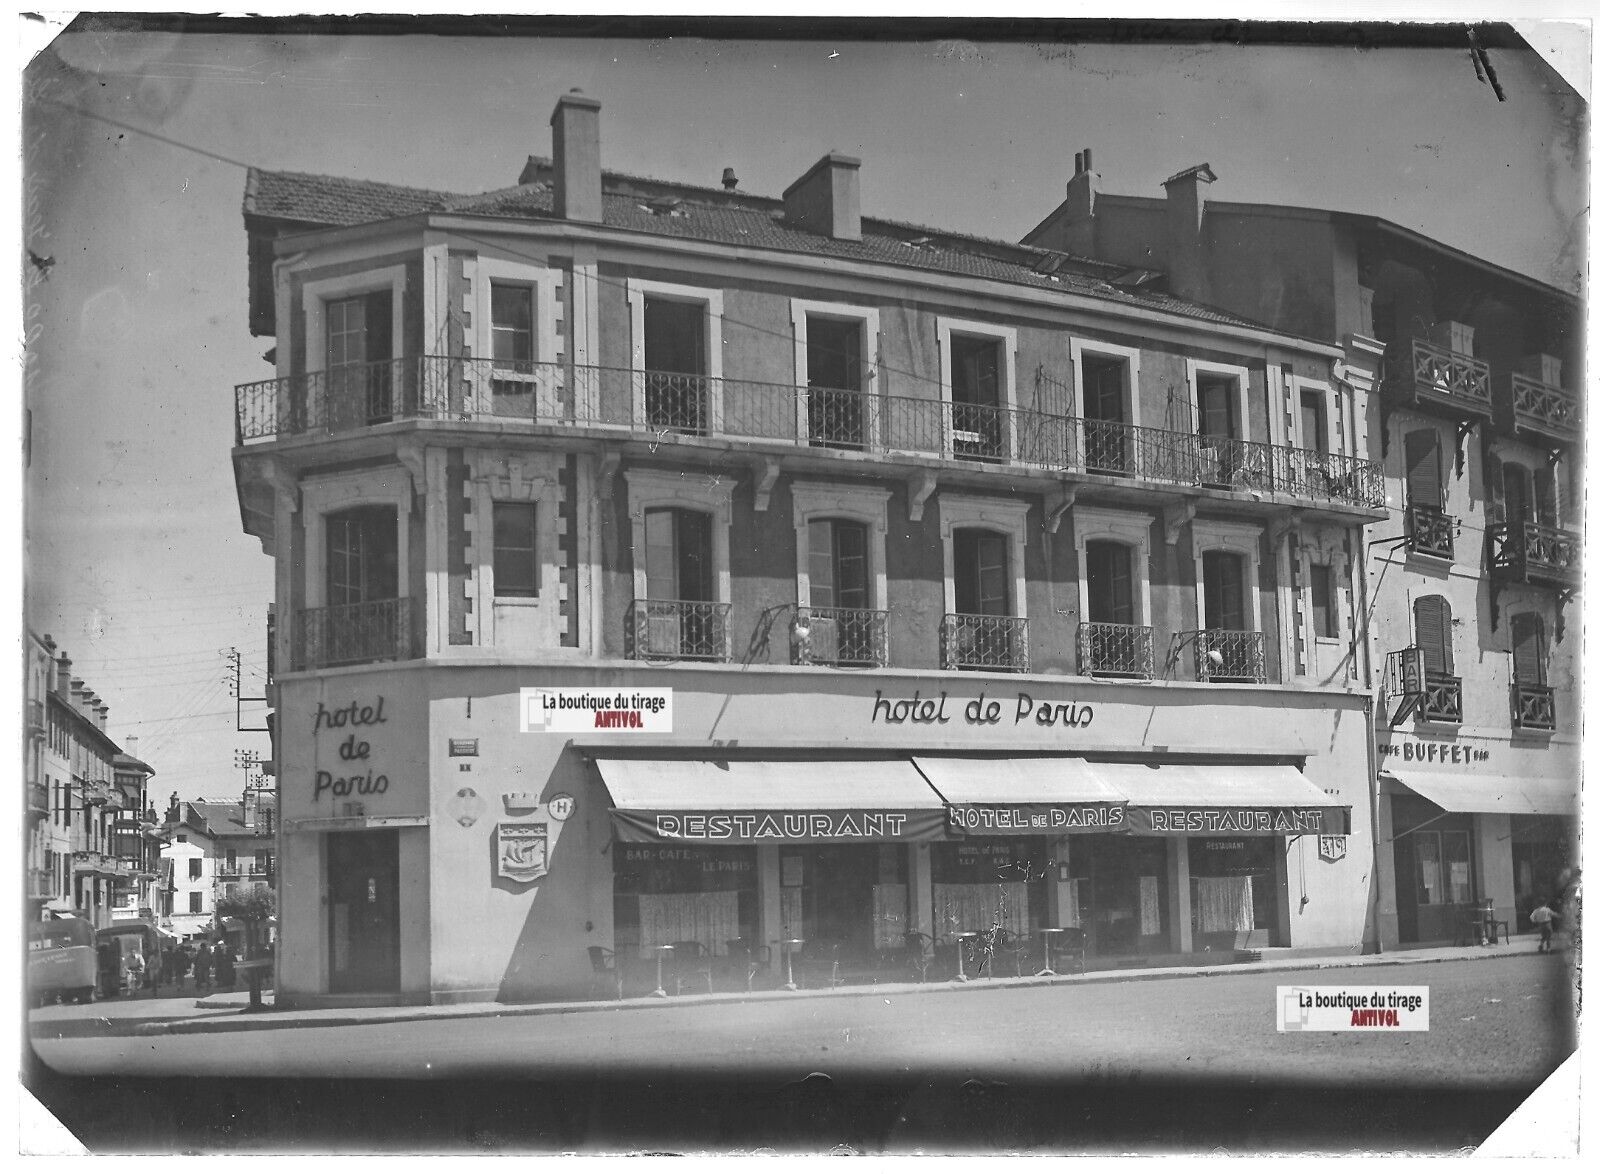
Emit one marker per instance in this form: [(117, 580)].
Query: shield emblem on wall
[(523, 851), (1331, 848)]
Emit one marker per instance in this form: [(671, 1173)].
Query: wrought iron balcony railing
[(1533, 707), (354, 633), (1430, 531), (679, 629), (1441, 699), (1419, 370), (670, 406), (1223, 655), (995, 643), (1547, 410), (1528, 552), (847, 637), (1116, 650)]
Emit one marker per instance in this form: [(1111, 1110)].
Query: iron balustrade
[(1116, 650), (1534, 553), (679, 629), (1533, 707), (1241, 656), (1442, 375), (998, 643), (842, 636), (1430, 531), (354, 633), (671, 406), (1441, 699), (1547, 408)]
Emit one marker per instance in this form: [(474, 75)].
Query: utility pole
[(235, 688)]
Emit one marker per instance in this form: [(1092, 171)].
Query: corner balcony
[(1431, 532), (1533, 707), (1117, 650), (1419, 374), (673, 407), (354, 633), (1535, 554), (678, 629), (984, 642), (1546, 413), (1221, 655), (843, 637)]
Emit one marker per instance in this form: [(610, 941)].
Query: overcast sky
[(137, 563)]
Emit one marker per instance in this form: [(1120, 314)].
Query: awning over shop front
[(769, 802), (1489, 793), (1009, 796), (1189, 799)]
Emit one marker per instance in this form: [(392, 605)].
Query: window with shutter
[(1494, 491), (1110, 571), (1527, 649), (1432, 616), (1424, 479), (1517, 494)]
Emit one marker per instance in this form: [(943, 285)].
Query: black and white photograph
[(626, 585)]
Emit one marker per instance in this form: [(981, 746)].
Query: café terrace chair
[(604, 970), (820, 960), (918, 954), (1014, 946), (746, 959), (1072, 942), (690, 958)]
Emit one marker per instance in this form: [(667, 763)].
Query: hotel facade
[(663, 565)]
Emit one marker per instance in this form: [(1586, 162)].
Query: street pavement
[(1140, 1062)]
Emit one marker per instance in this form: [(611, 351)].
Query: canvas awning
[(1506, 794), (729, 801), (1008, 796), (1189, 799)]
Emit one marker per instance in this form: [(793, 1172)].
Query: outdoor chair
[(745, 959), (819, 960), (1072, 942), (604, 970), (1014, 946), (690, 958), (918, 954)]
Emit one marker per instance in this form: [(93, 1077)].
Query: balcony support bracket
[(1463, 430), (921, 486), (766, 472), (1057, 501), (1283, 526), (1174, 517)]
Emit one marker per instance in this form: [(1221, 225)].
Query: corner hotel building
[(970, 582)]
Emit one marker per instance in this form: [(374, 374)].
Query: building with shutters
[(661, 565), (1471, 374)]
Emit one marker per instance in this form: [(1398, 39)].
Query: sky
[(135, 559)]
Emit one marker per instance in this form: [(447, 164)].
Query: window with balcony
[(1229, 644), (360, 371), (1313, 421), (1431, 531), (1527, 541), (841, 611), (516, 549), (680, 571), (1434, 635), (1221, 424), (511, 337), (1532, 699), (232, 861), (1111, 640), (985, 623), (835, 355), (677, 357), (978, 374)]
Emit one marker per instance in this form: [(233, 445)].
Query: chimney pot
[(1088, 159), (575, 155), (827, 198), (1186, 214), (729, 179)]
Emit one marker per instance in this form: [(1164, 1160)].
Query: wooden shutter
[(1517, 494), (1432, 616), (1494, 491), (1527, 649), (1424, 479)]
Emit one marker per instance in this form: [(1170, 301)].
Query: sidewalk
[(226, 1011)]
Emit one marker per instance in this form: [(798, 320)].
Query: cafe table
[(1045, 935), (790, 947), (661, 990), (962, 940)]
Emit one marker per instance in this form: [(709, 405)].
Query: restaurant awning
[(1506, 794), (1183, 799), (668, 801), (1007, 796)]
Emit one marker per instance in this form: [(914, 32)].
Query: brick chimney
[(64, 677), (575, 151), (1082, 188), (827, 199), (1186, 215), (79, 695)]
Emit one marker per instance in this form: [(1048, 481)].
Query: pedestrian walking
[(1544, 917), (202, 966), (222, 960), (135, 972), (181, 964)]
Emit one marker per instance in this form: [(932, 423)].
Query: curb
[(268, 1021)]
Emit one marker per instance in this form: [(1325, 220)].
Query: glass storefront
[(854, 895), (1233, 892), (1432, 871), (664, 894), (1541, 852), (1119, 889), (979, 883)]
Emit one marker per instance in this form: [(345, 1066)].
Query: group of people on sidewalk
[(211, 964)]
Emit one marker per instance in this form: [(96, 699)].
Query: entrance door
[(363, 912)]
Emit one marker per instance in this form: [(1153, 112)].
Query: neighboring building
[(189, 864), (216, 849), (137, 837), (75, 862), (958, 558), (1476, 417)]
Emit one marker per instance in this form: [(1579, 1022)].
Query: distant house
[(217, 849)]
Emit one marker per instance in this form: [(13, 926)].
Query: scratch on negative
[(1480, 62)]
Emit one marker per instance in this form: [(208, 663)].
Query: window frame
[(655, 489), (1195, 368), (484, 273), (1128, 527), (315, 295), (330, 493), (800, 309), (1240, 538), (534, 550), (1009, 518), (945, 329), (819, 500), (1333, 414), (708, 297)]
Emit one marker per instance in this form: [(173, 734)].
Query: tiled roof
[(736, 219), (227, 819)]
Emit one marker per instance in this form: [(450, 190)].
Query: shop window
[(1324, 602), (988, 881), (1443, 863), (1233, 890), (668, 894), (516, 554)]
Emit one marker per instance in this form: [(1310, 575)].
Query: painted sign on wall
[(359, 777)]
